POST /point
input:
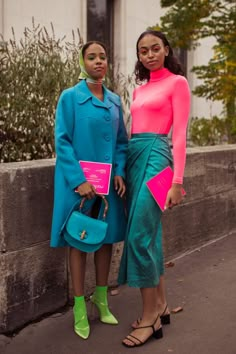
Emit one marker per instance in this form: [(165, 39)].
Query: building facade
[(118, 23)]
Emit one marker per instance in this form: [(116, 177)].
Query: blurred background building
[(118, 23)]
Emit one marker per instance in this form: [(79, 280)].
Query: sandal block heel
[(165, 319), (158, 334)]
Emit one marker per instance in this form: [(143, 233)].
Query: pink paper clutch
[(98, 174), (160, 184)]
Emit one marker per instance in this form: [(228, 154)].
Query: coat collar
[(83, 94)]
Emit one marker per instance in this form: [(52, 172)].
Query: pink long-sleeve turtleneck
[(160, 104)]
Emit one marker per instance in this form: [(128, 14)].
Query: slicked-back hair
[(88, 44)]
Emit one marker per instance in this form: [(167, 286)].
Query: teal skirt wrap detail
[(142, 259)]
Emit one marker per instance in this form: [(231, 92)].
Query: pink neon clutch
[(160, 184)]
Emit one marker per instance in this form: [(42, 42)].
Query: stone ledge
[(34, 278)]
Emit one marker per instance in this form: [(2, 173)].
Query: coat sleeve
[(64, 127), (121, 147)]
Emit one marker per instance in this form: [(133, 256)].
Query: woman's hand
[(86, 190), (119, 185), (174, 196)]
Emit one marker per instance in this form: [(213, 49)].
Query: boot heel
[(158, 334), (104, 313), (93, 311), (99, 299)]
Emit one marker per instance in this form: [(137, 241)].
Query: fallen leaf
[(114, 292), (180, 280), (177, 309), (169, 264)]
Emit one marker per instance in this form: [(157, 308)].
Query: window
[(100, 22)]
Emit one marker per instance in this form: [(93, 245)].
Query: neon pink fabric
[(159, 105)]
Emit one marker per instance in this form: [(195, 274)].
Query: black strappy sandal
[(157, 334), (165, 319)]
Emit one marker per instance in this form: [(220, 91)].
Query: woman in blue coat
[(89, 126)]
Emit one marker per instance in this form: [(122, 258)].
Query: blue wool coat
[(93, 130)]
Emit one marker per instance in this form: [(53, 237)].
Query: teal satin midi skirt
[(142, 259)]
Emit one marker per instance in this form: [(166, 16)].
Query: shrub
[(33, 73), (212, 131), (122, 85)]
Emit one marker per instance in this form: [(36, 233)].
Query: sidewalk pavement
[(202, 282)]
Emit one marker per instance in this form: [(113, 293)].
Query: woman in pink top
[(162, 103)]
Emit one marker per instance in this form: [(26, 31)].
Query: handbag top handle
[(104, 200)]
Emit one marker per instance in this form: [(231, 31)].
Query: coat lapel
[(83, 94)]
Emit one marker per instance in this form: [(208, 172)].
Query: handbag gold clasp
[(83, 235)]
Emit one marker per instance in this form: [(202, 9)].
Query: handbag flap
[(86, 229)]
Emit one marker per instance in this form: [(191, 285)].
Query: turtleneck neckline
[(159, 74)]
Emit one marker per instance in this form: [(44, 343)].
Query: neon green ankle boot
[(81, 325), (99, 298)]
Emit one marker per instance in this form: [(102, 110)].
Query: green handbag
[(84, 232)]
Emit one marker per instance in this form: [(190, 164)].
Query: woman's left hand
[(174, 196), (119, 185)]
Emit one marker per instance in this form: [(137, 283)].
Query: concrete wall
[(209, 210), (34, 278)]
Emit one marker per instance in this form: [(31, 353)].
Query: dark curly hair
[(171, 62)]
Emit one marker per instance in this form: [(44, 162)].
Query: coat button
[(107, 118), (107, 157), (107, 138)]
